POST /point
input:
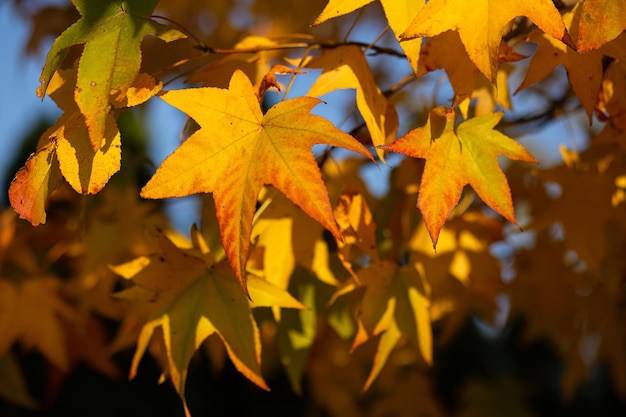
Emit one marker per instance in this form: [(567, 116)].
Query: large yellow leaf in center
[(238, 150)]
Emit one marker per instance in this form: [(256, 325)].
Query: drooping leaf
[(399, 14), (34, 183), (346, 67), (65, 149), (111, 31), (458, 156), (480, 24), (238, 150), (182, 291), (86, 170)]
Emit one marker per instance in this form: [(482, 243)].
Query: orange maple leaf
[(584, 70), (455, 157), (480, 25), (238, 150), (601, 21)]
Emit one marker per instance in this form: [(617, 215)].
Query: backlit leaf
[(458, 156), (399, 14), (238, 150), (34, 183), (480, 24), (584, 70), (112, 31), (396, 302), (346, 67), (190, 298)]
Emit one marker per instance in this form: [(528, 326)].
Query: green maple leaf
[(192, 296), (112, 31)]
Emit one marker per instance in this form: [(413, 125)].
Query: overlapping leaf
[(480, 24), (191, 297), (285, 237), (65, 148), (238, 150), (33, 313), (111, 31), (445, 51), (398, 12), (455, 157), (346, 67), (584, 70), (395, 303)]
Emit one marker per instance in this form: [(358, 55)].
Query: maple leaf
[(600, 22), (399, 14), (357, 228), (238, 150), (346, 67), (480, 24), (34, 183), (395, 303), (445, 51), (286, 237), (455, 157), (464, 276), (190, 297), (114, 26), (65, 149), (33, 313), (584, 71)]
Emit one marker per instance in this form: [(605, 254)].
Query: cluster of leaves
[(299, 235)]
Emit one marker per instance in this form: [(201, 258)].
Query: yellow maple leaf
[(399, 14), (238, 150), (65, 148), (480, 24), (346, 67), (116, 26), (455, 157), (287, 237), (396, 302), (445, 51), (190, 296)]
